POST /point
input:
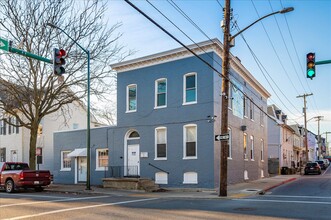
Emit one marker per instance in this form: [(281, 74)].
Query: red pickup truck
[(14, 175)]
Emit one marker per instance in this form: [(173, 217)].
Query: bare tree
[(29, 89)]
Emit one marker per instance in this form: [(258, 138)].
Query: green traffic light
[(311, 73)]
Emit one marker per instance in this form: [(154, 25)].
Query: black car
[(312, 167), (322, 164)]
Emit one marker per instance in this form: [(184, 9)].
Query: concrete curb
[(276, 185)]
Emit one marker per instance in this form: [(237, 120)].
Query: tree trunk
[(33, 144)]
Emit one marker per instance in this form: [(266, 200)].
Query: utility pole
[(223, 175), (225, 101), (318, 118), (305, 118)]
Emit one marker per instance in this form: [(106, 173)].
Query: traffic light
[(59, 61), (311, 65)]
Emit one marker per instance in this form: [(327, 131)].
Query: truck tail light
[(21, 176)]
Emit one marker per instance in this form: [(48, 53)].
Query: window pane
[(132, 98), (161, 99), (103, 158), (190, 134), (190, 149), (161, 87), (134, 134), (190, 95), (66, 162), (161, 136), (190, 82), (161, 150)]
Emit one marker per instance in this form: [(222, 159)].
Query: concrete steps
[(132, 184)]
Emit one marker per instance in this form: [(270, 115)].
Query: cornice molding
[(213, 45)]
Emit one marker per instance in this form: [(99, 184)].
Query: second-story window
[(190, 88), (251, 110), (131, 102), (160, 93)]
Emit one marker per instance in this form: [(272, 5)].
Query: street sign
[(222, 137), (4, 44)]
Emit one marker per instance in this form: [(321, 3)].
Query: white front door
[(82, 169), (133, 168)]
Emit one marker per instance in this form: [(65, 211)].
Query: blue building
[(168, 113)]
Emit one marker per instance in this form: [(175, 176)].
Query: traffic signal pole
[(6, 45)]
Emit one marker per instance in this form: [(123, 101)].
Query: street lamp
[(225, 90), (88, 130)]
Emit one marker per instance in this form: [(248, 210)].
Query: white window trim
[(184, 142), (184, 88), (155, 143), (155, 93), (161, 178), (62, 168), (127, 98), (251, 110), (245, 154), (262, 150), (190, 178), (252, 147), (97, 168)]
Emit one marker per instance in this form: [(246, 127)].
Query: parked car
[(327, 162), (322, 164), (312, 167), (14, 175)]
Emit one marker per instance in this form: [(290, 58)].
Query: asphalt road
[(309, 197)]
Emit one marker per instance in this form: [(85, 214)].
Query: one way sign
[(222, 137)]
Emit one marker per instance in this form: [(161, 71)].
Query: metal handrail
[(158, 168)]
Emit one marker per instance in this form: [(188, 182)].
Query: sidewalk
[(239, 190)]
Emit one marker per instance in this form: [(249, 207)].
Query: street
[(304, 198)]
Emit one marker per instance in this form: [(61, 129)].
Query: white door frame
[(138, 156), (76, 170), (126, 139)]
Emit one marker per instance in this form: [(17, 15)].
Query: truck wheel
[(10, 186)]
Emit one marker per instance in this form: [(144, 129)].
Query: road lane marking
[(58, 200), (79, 208), (281, 201), (31, 195), (307, 197)]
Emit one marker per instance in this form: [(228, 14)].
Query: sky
[(274, 50)]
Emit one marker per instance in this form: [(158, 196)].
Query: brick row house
[(168, 113)]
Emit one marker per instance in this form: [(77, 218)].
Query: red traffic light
[(311, 56), (58, 61)]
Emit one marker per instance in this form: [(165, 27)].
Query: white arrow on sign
[(222, 137)]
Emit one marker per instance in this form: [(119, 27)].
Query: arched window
[(134, 134)]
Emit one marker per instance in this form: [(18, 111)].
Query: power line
[(191, 51)]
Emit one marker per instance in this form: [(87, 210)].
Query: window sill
[(252, 160), (190, 182), (245, 159), (229, 158), (190, 103), (64, 170), (190, 158), (160, 158), (131, 111), (101, 169), (160, 107)]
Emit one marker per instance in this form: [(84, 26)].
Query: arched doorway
[(132, 153)]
